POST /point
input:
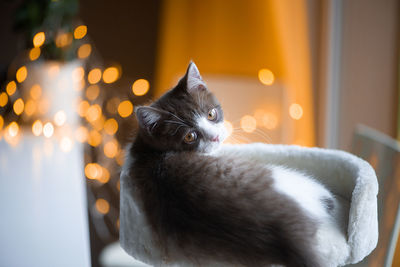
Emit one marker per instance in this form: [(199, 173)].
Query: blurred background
[(302, 72)]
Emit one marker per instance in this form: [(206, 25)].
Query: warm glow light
[(80, 32), (102, 206), (66, 144), (93, 113), (93, 171), (1, 122), (111, 149), (34, 53), (111, 126), (110, 75), (11, 88), (36, 91), (37, 128), (94, 138), (13, 129), (18, 106), (140, 87), (3, 99), (296, 111), (83, 108), (43, 106), (125, 108), (63, 39), (60, 117), (53, 70), (112, 105), (77, 74), (105, 176), (229, 127), (30, 107), (92, 92), (21, 74), (81, 134), (84, 51), (269, 121), (94, 76), (248, 123), (38, 39), (48, 129), (266, 76)]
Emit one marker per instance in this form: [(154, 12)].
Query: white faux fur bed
[(350, 178)]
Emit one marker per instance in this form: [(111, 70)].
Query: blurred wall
[(369, 67)]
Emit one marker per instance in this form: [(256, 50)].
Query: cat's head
[(188, 117)]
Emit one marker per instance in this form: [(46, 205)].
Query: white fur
[(303, 189), (211, 129)]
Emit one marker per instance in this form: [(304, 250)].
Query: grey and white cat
[(199, 205)]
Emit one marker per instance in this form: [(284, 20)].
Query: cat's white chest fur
[(304, 190)]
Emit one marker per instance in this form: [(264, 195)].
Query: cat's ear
[(194, 82), (147, 117)]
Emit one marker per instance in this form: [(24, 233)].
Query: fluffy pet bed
[(350, 178)]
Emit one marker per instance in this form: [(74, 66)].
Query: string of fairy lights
[(24, 110)]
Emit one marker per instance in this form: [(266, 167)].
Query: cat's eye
[(212, 114), (190, 137)]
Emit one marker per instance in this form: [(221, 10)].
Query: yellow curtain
[(237, 37)]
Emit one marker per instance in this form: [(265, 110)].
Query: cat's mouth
[(215, 139)]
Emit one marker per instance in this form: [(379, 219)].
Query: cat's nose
[(215, 139)]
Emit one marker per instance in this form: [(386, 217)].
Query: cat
[(199, 206)]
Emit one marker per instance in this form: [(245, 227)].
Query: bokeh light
[(84, 51), (34, 53), (60, 117), (112, 105), (266, 76), (3, 99), (295, 111), (1, 122), (36, 91), (248, 123), (105, 176), (66, 144), (18, 106), (93, 113), (92, 92), (81, 134), (48, 130), (13, 129), (111, 126), (30, 107), (94, 138), (43, 106), (21, 74), (269, 120), (77, 74), (102, 206), (94, 76), (110, 75), (140, 87), (11, 88), (38, 39), (83, 108), (37, 128), (80, 31), (125, 108), (63, 39), (93, 171), (111, 148)]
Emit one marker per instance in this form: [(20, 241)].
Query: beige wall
[(369, 65)]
